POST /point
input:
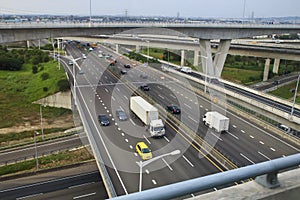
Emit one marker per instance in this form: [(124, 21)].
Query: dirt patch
[(64, 121)]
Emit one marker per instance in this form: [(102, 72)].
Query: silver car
[(121, 115)]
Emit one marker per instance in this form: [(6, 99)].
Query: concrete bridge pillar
[(182, 57), (276, 65), (267, 68), (220, 57), (28, 44), (196, 58), (137, 49), (117, 48), (58, 44)]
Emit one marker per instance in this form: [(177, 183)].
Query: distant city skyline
[(166, 8)]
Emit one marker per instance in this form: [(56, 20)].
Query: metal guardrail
[(268, 170)]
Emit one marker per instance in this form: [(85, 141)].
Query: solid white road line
[(187, 105), (216, 136), (132, 122), (247, 158), (264, 155), (233, 135), (29, 196), (146, 139), (167, 164), (75, 186), (187, 161), (85, 195), (166, 139)]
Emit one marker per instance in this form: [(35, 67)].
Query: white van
[(186, 70)]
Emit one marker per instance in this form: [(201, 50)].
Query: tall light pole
[(142, 164), (36, 153), (295, 95), (90, 12), (244, 10), (148, 51)]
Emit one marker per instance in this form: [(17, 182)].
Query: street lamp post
[(295, 95), (142, 164), (148, 51), (36, 153)]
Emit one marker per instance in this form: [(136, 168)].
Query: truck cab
[(157, 128)]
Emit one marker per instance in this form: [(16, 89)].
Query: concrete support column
[(137, 49), (267, 68), (206, 58), (196, 58), (220, 57), (117, 48), (276, 65), (58, 44), (28, 43), (182, 57)]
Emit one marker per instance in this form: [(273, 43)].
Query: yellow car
[(143, 150)]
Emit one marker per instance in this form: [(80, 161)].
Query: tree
[(63, 85)]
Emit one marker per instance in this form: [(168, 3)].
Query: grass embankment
[(20, 88), (46, 162), (287, 92)]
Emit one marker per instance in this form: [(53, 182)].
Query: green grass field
[(18, 89), (286, 92)]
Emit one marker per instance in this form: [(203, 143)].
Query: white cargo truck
[(148, 114), (186, 70), (216, 121)]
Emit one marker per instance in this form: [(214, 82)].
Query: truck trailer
[(148, 114), (216, 121)]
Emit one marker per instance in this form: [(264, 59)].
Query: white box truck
[(148, 114), (216, 121)]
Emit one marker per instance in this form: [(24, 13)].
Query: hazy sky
[(186, 8)]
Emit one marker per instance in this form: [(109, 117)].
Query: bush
[(34, 69), (63, 85), (45, 89), (45, 76)]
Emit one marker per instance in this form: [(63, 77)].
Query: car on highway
[(143, 150), (83, 56), (121, 115), (127, 66), (103, 120), (145, 87), (143, 75), (173, 109), (123, 71)]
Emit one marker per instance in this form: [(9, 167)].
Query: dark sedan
[(103, 120), (173, 109)]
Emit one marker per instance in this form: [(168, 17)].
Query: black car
[(173, 109), (103, 120), (145, 87), (127, 66), (123, 71)]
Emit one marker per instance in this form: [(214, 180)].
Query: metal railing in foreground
[(265, 173)]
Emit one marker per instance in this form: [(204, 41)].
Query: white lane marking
[(126, 140), (75, 186), (118, 89), (154, 182), (251, 136), (166, 139), (159, 87), (130, 146), (106, 90), (206, 109), (146, 139), (236, 137), (85, 195), (187, 105), (161, 96), (261, 142), (187, 161), (167, 164), (123, 134), (242, 131), (125, 97), (246, 158), (272, 149), (201, 106), (147, 171), (173, 96), (112, 98), (216, 136), (118, 128), (192, 119), (107, 111), (132, 122), (105, 107), (135, 154), (29, 196), (234, 126), (264, 155)]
